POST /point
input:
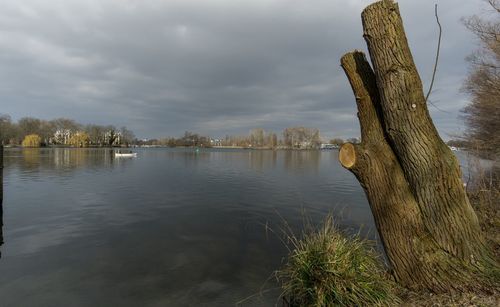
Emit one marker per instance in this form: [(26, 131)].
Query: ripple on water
[(171, 226)]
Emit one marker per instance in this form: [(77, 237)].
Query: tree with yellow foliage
[(32, 140), (79, 139)]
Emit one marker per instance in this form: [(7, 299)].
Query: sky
[(215, 67)]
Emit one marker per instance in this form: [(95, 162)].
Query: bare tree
[(337, 141), (411, 178), (111, 135), (28, 125), (7, 129), (257, 137), (65, 124), (96, 134), (482, 115), (127, 136), (301, 137)]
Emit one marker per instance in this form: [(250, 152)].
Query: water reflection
[(302, 160), (261, 160), (62, 159), (173, 227), (31, 158)]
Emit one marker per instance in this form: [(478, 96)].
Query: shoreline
[(161, 146)]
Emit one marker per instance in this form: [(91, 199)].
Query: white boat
[(126, 155)]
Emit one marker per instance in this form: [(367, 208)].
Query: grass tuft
[(327, 268)]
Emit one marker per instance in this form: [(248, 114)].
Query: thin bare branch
[(495, 5), (437, 55)]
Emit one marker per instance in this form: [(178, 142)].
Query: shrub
[(483, 189), (326, 268), (32, 140)]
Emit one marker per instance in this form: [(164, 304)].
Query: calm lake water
[(172, 227)]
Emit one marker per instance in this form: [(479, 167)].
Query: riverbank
[(164, 146), (69, 146), (487, 207), (314, 262)]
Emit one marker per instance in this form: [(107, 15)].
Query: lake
[(172, 227)]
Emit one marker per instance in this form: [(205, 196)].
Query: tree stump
[(412, 180)]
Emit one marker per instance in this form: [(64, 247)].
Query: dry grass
[(484, 194), (327, 268), (412, 299)]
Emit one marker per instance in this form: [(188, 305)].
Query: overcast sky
[(216, 67)]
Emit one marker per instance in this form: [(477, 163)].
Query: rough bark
[(412, 180), (430, 167), (392, 204)]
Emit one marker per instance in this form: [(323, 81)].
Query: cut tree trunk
[(412, 180)]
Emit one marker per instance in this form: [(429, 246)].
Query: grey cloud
[(217, 67)]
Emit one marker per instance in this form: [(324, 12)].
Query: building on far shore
[(328, 146)]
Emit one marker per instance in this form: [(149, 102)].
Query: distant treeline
[(291, 138), (34, 132)]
